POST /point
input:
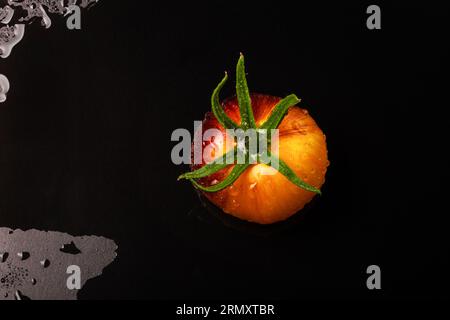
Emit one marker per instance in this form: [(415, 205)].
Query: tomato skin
[(266, 199)]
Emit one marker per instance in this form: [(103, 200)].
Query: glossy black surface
[(85, 146)]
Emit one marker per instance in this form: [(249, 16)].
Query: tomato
[(254, 191), (268, 197)]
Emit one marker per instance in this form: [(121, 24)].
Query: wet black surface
[(85, 146), (37, 265)]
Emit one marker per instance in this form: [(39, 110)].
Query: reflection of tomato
[(267, 198)]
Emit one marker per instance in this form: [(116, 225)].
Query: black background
[(85, 146)]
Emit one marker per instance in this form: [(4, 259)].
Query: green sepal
[(208, 169), (243, 96), (217, 109), (285, 170), (279, 112), (229, 180)]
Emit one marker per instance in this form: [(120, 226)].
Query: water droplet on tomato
[(235, 204), (233, 192)]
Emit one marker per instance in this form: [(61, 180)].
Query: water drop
[(46, 21), (6, 14), (70, 248), (14, 35), (4, 87), (20, 296), (45, 263), (4, 256), (23, 255)]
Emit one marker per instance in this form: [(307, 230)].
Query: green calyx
[(247, 122)]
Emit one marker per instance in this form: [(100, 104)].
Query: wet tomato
[(259, 193)]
